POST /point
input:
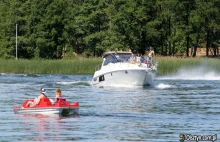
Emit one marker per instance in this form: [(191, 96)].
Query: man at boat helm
[(37, 100), (151, 53)]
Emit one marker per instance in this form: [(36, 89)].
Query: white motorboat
[(118, 69)]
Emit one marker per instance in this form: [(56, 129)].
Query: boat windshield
[(116, 57), (123, 57), (109, 58)]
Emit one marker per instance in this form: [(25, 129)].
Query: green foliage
[(46, 28), (70, 54)]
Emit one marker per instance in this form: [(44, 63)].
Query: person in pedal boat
[(58, 96), (37, 100)]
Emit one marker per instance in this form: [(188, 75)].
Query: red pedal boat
[(61, 107)]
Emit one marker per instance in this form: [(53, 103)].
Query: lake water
[(186, 103)]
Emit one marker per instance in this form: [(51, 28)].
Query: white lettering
[(197, 138)]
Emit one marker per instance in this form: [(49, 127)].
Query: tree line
[(51, 29)]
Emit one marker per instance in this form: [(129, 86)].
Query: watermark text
[(197, 138)]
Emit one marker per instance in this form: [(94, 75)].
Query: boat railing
[(148, 64)]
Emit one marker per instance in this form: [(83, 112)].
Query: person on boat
[(37, 100), (58, 96), (138, 59), (132, 58), (151, 53), (141, 58), (150, 56)]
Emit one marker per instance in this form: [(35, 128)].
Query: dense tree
[(51, 28), (167, 26), (7, 29)]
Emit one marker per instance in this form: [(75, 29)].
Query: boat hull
[(47, 111), (61, 107), (125, 77)]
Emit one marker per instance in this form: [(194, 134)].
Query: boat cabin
[(114, 57)]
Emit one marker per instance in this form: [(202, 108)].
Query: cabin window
[(95, 79), (101, 78), (110, 59)]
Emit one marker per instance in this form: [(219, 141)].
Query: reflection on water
[(44, 127), (152, 113)]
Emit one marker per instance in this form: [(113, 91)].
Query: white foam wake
[(74, 82), (195, 73), (164, 86), (66, 83)]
